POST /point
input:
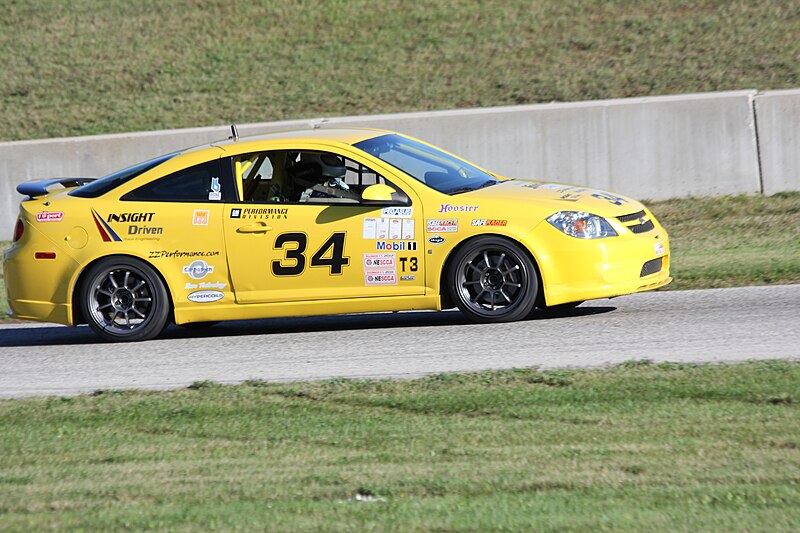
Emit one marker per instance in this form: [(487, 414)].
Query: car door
[(300, 236)]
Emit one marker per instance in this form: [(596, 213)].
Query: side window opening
[(258, 179), (306, 177)]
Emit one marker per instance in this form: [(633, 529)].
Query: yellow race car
[(318, 222)]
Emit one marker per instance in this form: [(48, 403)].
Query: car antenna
[(235, 132)]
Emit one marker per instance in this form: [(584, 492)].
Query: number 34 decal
[(296, 259)]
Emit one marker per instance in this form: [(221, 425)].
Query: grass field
[(86, 66), (730, 241), (639, 447)]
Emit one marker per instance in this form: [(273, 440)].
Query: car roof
[(337, 135)]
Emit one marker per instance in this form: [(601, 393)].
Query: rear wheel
[(124, 299), (492, 279)]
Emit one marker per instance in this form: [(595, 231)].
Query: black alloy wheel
[(124, 299), (492, 279)]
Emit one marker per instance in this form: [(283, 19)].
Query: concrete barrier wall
[(778, 118), (649, 148)]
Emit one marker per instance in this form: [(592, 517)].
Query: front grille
[(642, 228), (632, 216), (644, 223), (651, 267)]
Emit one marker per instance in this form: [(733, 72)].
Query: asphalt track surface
[(683, 326)]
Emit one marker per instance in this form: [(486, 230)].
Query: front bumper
[(576, 269)]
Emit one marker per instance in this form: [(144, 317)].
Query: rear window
[(112, 181)]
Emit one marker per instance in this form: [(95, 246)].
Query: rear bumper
[(40, 311), (38, 289)]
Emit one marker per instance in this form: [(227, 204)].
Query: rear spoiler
[(39, 188)]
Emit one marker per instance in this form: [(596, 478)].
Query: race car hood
[(558, 197)]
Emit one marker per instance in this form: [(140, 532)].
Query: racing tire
[(124, 299), (492, 279)]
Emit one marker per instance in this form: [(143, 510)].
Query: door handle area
[(258, 227)]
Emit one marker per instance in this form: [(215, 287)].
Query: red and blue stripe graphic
[(105, 230)]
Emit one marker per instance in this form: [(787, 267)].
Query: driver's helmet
[(331, 166)]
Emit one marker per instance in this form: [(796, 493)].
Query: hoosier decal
[(450, 208)]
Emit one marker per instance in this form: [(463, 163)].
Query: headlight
[(582, 225)]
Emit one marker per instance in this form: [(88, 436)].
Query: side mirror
[(378, 193)]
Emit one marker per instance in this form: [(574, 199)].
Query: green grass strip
[(86, 67), (732, 241), (639, 447)]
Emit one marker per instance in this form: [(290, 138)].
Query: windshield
[(434, 168), (99, 187)]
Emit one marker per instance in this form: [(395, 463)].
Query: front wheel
[(124, 299), (492, 279)]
